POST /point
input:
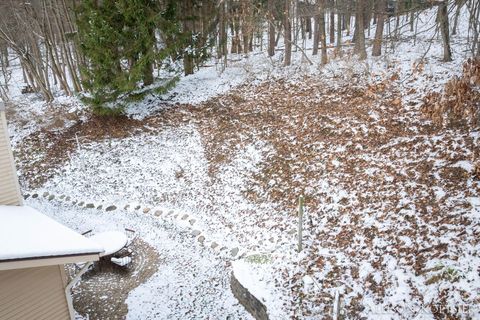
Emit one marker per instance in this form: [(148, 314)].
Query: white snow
[(27, 233), (168, 170), (258, 279), (191, 282), (110, 241)]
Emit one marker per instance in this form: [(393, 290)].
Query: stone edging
[(231, 253)]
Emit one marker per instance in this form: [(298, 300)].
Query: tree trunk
[(323, 36), (442, 18), (308, 22), (316, 33), (377, 42), (360, 31), (339, 30), (222, 42), (332, 24), (4, 54), (271, 29), (148, 67), (188, 64), (348, 16), (459, 4), (288, 34)]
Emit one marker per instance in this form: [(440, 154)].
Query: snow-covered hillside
[(211, 171)]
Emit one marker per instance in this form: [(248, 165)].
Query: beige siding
[(33, 294), (9, 189)]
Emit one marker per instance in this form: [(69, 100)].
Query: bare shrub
[(459, 102)]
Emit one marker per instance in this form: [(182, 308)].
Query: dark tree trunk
[(360, 31), (316, 33), (322, 32), (332, 24), (188, 63), (377, 42), (288, 34), (222, 42), (459, 4), (271, 29), (348, 16), (308, 22), (339, 29), (444, 30)]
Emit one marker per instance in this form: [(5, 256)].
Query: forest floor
[(392, 205)]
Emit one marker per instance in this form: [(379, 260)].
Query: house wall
[(33, 293), (9, 188)]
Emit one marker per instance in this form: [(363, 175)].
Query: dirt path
[(102, 291)]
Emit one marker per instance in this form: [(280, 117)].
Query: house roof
[(27, 234)]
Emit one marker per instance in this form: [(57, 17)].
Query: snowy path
[(192, 282)]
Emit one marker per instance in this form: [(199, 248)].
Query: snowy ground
[(392, 206), (191, 282)]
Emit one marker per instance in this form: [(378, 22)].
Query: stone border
[(230, 253)]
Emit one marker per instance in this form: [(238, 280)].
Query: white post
[(300, 222), (336, 305)]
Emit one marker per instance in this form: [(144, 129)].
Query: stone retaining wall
[(256, 308)]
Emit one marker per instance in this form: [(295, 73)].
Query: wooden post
[(336, 305), (300, 222)]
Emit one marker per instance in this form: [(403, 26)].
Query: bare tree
[(321, 31), (442, 19), (288, 33), (360, 30), (380, 18), (271, 28)]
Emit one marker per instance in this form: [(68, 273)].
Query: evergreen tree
[(100, 30), (118, 38)]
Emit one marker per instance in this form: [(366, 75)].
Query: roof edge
[(33, 262)]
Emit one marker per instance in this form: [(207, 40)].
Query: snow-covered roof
[(26, 233)]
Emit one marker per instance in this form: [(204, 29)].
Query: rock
[(81, 204), (90, 205), (234, 252), (196, 233), (146, 210), (185, 216), (67, 199), (175, 216), (100, 207), (214, 245), (201, 239), (62, 197), (126, 207), (137, 207), (45, 194), (51, 197), (111, 208), (158, 213), (192, 221), (35, 195), (26, 196), (74, 202)]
